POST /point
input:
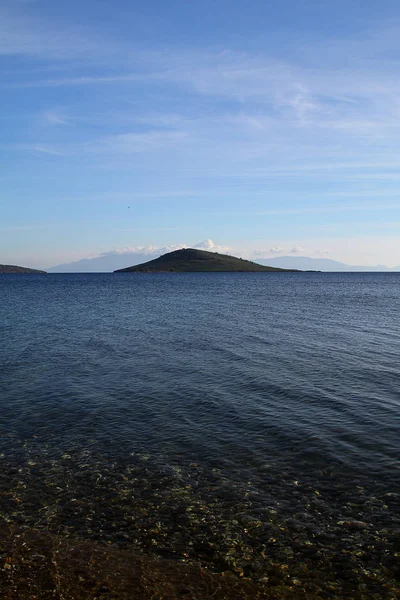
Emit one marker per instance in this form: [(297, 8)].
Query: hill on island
[(191, 260), (15, 269)]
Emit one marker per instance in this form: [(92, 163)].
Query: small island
[(16, 269), (191, 260)]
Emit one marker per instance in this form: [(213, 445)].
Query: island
[(191, 260), (15, 269)]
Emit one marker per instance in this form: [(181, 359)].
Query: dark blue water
[(252, 392)]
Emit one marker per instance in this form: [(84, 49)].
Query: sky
[(270, 127)]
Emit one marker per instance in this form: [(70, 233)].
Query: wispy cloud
[(253, 134), (40, 149), (132, 143), (54, 117), (342, 91), (336, 208), (84, 80), (23, 35), (288, 108)]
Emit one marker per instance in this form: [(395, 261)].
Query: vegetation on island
[(191, 260), (16, 269)]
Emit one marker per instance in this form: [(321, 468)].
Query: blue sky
[(269, 127)]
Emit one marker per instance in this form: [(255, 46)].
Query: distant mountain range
[(114, 261), (105, 263), (304, 263)]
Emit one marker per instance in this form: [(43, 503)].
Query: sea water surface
[(248, 422)]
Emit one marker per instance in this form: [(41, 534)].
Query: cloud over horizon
[(150, 250), (131, 255)]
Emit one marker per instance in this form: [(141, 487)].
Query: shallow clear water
[(272, 397)]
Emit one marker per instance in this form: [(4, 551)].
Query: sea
[(246, 423)]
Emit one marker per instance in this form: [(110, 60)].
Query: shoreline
[(295, 539)]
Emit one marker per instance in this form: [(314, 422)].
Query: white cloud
[(350, 249), (145, 250), (211, 247), (276, 250), (208, 245), (296, 250)]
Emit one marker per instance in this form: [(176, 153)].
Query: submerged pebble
[(250, 530)]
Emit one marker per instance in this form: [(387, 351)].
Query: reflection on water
[(243, 425)]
